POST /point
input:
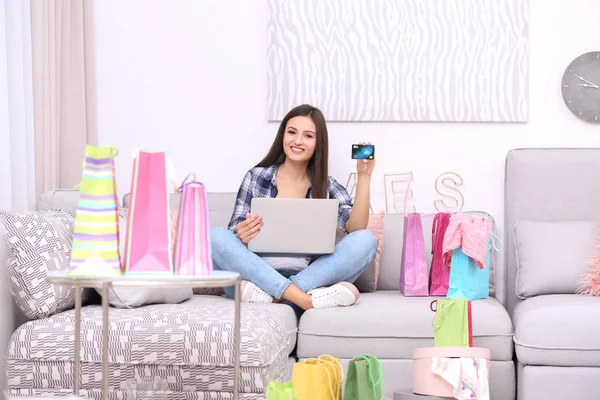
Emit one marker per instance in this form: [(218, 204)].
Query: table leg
[(105, 287), (237, 338), (77, 335)]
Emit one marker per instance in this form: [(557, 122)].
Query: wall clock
[(581, 87)]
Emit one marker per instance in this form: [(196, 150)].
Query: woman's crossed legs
[(326, 282)]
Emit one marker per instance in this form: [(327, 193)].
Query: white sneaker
[(253, 294), (339, 295)]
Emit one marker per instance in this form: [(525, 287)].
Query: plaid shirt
[(261, 182)]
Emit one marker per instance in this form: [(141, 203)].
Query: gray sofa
[(552, 208), (163, 340)]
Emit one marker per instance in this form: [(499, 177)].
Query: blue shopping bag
[(467, 280)]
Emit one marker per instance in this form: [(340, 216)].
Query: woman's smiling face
[(300, 139)]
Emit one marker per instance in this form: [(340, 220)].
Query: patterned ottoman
[(188, 347)]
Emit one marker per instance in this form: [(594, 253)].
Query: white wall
[(190, 77)]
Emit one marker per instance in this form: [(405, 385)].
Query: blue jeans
[(350, 257)]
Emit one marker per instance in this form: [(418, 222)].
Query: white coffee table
[(216, 279)]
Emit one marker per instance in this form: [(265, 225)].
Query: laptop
[(295, 227)]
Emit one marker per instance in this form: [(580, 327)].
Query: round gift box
[(425, 382), (407, 394)]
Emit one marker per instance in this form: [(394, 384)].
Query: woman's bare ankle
[(294, 294), (306, 303)]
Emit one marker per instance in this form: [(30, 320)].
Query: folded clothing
[(469, 232), (468, 376)]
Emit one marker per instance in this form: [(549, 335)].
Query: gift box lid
[(407, 394), (451, 352)]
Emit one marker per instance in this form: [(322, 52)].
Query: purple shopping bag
[(413, 273), (414, 280), (192, 241)]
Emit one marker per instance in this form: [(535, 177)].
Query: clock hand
[(585, 80), (586, 85)]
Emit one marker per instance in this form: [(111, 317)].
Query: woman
[(296, 167)]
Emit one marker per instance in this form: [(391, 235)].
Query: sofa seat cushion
[(189, 345), (390, 326), (558, 330)]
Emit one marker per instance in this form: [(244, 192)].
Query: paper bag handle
[(406, 198), (327, 359), (371, 359), (192, 181), (431, 305), (438, 322)]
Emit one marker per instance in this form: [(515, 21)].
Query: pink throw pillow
[(591, 280), (367, 281)]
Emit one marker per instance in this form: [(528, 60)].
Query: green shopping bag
[(364, 380), (280, 391), (452, 323)]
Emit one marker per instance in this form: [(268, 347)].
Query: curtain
[(17, 171), (58, 44)]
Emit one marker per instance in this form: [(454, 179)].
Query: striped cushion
[(39, 243)]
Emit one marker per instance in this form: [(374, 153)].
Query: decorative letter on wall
[(446, 185), (399, 60), (395, 185)]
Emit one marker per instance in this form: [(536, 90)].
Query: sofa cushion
[(367, 280), (189, 345), (552, 256), (558, 330), (61, 199), (283, 312), (390, 326), (38, 243)]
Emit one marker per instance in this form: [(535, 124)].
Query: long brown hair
[(317, 166)]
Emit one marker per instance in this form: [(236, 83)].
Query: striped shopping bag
[(192, 241), (95, 248)]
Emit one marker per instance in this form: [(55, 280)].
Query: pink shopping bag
[(192, 241), (149, 243), (414, 280), (439, 273)]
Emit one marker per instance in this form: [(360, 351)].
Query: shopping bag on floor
[(452, 323), (364, 380), (148, 245), (439, 273), (192, 242), (318, 378), (95, 249), (280, 391)]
